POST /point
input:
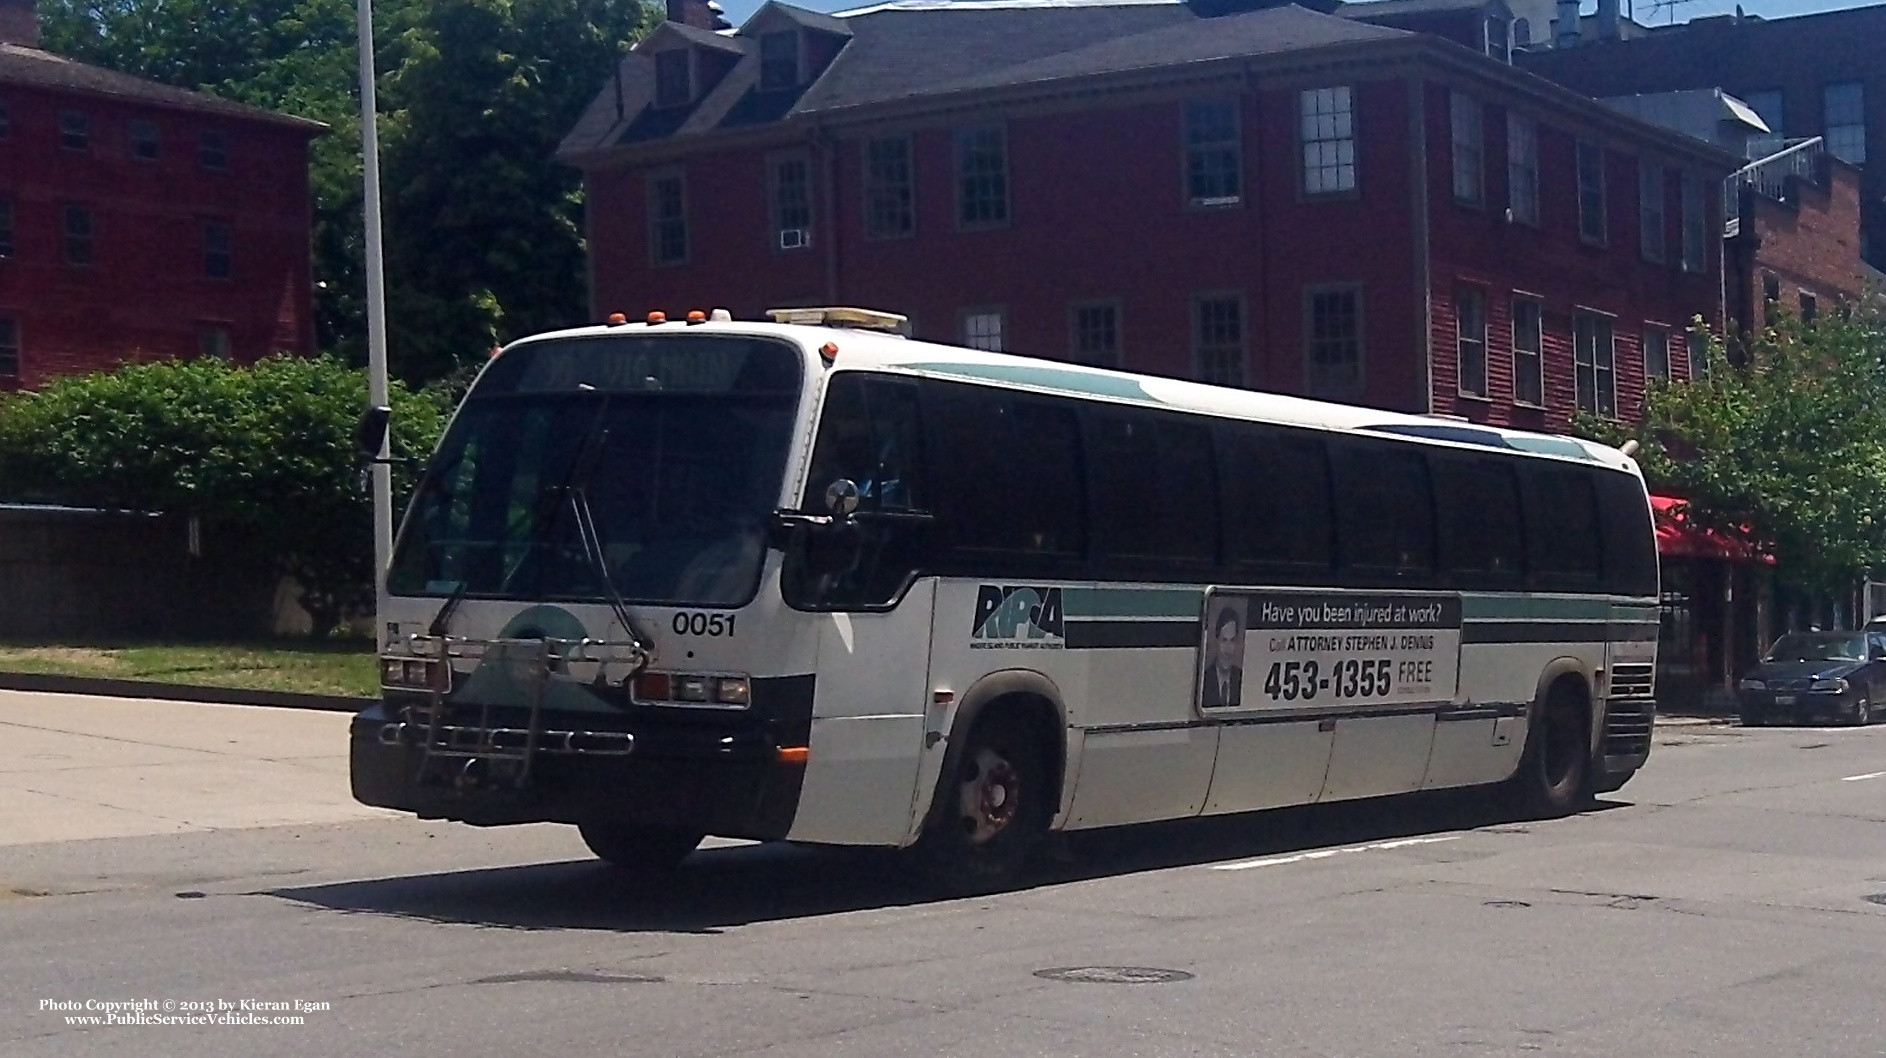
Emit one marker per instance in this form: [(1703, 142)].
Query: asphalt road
[(1718, 905)]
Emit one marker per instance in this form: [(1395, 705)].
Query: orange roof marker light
[(657, 317), (838, 316), (617, 319), (696, 316), (829, 351)]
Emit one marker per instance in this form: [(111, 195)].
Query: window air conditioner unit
[(794, 238)]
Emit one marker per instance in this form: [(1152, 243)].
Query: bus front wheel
[(993, 810), (641, 850), (1555, 774)]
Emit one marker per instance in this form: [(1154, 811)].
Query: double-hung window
[(1334, 330), (1522, 168), (1650, 212), (1328, 137), (1695, 225), (1095, 328), (1594, 360), (667, 219), (1469, 152), (1528, 363), (1218, 339), (981, 177), (1843, 121), (791, 202), (1656, 353), (1212, 176), (889, 195), (1591, 205), (1470, 304)]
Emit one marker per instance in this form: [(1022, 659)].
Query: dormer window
[(673, 85), (1499, 39), (779, 60)]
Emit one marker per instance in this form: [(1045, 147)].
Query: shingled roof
[(31, 67)]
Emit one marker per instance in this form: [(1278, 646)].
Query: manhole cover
[(1876, 898), (1115, 975)]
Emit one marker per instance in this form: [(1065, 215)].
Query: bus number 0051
[(1349, 678), (703, 624)]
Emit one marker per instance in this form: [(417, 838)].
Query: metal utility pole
[(376, 312)]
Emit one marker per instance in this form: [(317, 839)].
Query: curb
[(179, 692)]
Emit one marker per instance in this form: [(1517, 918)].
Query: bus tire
[(992, 809), (1555, 776), (644, 851)]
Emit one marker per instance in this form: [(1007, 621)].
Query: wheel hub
[(989, 796)]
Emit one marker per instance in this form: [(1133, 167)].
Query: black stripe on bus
[(1091, 635), (1557, 632)]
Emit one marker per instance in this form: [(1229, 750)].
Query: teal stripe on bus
[(1132, 602)]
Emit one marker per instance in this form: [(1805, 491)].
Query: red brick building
[(1794, 241), (1275, 198), (1809, 75), (140, 221)]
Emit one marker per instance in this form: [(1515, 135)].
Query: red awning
[(1676, 538)]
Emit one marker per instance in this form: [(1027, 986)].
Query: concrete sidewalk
[(82, 766)]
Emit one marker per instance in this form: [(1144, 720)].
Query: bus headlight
[(407, 673), (699, 690), (733, 691)]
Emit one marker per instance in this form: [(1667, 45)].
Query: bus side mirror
[(842, 498), (370, 435)]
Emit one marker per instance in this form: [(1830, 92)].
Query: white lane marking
[(1857, 778), (1323, 854)]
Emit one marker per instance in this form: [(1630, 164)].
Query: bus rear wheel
[(645, 851), (992, 812), (1555, 774)]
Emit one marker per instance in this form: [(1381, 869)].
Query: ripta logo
[(1017, 618)]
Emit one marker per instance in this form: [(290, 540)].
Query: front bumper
[(716, 774), (1797, 705)]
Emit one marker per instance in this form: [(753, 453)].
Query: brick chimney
[(701, 14), (19, 22)]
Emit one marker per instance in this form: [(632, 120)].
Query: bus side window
[(1482, 535), (1155, 506), (1562, 535), (1630, 543), (1385, 514), (869, 434), (1008, 479), (1277, 518)]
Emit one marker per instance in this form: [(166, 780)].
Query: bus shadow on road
[(722, 887)]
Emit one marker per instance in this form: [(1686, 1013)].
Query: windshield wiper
[(444, 617)]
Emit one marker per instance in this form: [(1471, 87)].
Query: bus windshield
[(671, 446)]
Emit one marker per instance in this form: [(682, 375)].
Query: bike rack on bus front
[(477, 746)]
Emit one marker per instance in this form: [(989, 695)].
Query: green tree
[(1784, 438), (262, 456)]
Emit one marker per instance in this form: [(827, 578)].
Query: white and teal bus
[(809, 580)]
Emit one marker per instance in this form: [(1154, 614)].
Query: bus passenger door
[(867, 724), (874, 663)]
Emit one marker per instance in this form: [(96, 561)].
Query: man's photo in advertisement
[(1221, 668)]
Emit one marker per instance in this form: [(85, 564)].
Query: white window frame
[(984, 327), (1470, 338), (1326, 134), (1594, 363), (995, 182), (1529, 345), (1467, 120), (1661, 334), (791, 222), (1197, 150)]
